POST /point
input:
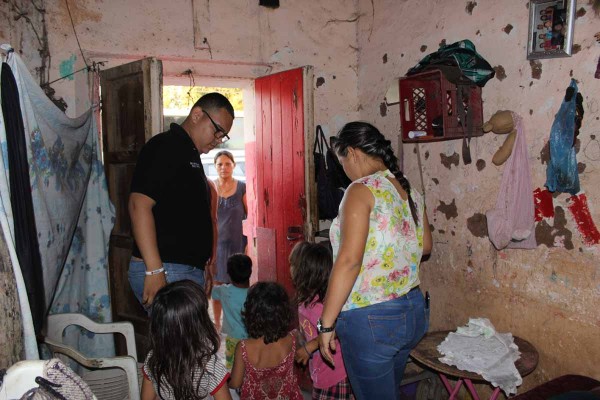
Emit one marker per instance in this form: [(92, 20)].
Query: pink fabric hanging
[(511, 221)]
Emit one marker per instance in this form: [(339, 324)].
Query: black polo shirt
[(169, 171)]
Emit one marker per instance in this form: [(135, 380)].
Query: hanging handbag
[(330, 178)]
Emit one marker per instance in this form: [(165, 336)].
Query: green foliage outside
[(183, 97)]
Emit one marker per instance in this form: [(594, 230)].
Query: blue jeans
[(174, 273), (377, 340)]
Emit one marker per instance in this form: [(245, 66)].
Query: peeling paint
[(545, 154), (66, 67), (470, 6), (426, 154), (500, 72), (576, 48), (436, 181), (449, 210), (477, 225), (448, 161), (80, 14), (385, 58), (580, 13), (544, 208), (442, 43), (423, 48), (536, 69), (557, 235), (383, 109), (508, 28), (578, 206), (581, 167), (530, 111), (480, 164), (320, 81)]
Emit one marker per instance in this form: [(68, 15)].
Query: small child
[(311, 265), (232, 297), (182, 362), (264, 364)]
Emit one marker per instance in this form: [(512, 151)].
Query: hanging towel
[(511, 221)]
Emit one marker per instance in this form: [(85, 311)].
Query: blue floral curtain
[(73, 212)]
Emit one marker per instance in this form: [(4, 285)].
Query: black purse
[(330, 178)]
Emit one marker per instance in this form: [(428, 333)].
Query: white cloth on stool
[(478, 348)]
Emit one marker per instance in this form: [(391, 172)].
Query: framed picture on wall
[(550, 28)]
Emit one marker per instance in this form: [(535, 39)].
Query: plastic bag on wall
[(562, 175)]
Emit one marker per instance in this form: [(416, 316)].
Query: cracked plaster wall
[(548, 295), (245, 41)]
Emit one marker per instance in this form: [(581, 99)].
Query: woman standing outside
[(232, 210), (373, 303)]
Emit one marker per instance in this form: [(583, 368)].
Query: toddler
[(232, 297)]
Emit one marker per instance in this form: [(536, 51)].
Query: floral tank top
[(394, 245)]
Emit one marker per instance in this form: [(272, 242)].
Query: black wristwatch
[(321, 329)]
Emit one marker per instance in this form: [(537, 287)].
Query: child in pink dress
[(263, 365), (311, 265)]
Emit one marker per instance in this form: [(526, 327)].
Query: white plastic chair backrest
[(57, 323), (20, 377)]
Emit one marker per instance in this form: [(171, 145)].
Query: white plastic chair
[(19, 378), (110, 378)]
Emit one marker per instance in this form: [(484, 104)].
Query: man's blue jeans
[(376, 341), (175, 272)]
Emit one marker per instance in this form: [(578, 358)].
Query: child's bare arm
[(148, 392), (222, 393), (304, 353), (237, 372)]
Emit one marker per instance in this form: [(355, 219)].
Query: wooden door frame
[(311, 224)]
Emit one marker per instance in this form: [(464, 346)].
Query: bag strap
[(320, 142), (462, 91)]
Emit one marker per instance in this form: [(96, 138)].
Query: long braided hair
[(368, 139)]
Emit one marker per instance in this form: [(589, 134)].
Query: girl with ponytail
[(373, 303)]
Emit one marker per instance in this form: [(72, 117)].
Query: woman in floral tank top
[(378, 239)]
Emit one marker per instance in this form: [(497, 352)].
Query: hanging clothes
[(26, 242), (511, 222), (562, 174), (6, 223), (73, 212)]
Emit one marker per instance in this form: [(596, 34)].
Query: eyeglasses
[(220, 133)]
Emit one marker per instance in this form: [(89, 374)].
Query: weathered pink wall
[(549, 295), (246, 41), (357, 48)]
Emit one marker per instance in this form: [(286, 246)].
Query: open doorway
[(277, 119), (177, 101)]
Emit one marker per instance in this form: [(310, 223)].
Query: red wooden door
[(284, 212)]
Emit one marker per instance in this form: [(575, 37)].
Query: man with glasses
[(172, 204)]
